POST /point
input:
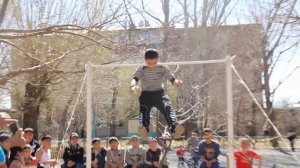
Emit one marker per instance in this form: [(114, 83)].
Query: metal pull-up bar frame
[(230, 134)]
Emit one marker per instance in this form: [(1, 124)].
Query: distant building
[(126, 129)]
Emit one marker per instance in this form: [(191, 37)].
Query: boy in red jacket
[(245, 156)]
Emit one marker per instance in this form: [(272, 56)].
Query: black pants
[(160, 100), (292, 144)]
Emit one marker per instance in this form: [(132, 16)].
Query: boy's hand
[(95, 164), (156, 164), (17, 140), (70, 163), (135, 90), (178, 83), (6, 120), (134, 165)]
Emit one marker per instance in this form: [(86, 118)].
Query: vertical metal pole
[(89, 115), (230, 133)]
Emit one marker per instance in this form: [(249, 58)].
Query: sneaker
[(143, 132), (179, 130)]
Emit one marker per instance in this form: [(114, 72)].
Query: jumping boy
[(152, 77)]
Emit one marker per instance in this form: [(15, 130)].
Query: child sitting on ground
[(153, 154), (98, 154), (115, 155), (135, 155), (30, 161)]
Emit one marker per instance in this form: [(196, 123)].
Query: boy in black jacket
[(74, 154)]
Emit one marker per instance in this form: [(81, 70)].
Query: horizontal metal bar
[(166, 63)]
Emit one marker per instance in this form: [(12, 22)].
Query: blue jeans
[(181, 159)]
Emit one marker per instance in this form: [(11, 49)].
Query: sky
[(289, 91)]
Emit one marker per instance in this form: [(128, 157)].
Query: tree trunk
[(114, 112), (63, 121), (267, 93), (195, 14), (166, 30), (254, 122), (33, 98), (186, 15)]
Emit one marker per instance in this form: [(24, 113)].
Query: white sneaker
[(143, 132)]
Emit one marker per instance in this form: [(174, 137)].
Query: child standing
[(152, 77), (291, 136), (180, 153), (245, 156)]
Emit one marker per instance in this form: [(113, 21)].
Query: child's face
[(74, 140), (46, 143), (207, 136), (6, 144), (152, 144), (245, 145), (114, 144), (97, 145), (27, 153), (135, 142), (28, 136), (151, 63)]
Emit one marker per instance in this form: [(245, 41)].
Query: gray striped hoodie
[(152, 79)]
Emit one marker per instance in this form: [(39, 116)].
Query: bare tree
[(44, 44), (278, 23)]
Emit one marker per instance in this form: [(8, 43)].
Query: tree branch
[(152, 16), (284, 79), (4, 78), (279, 55), (2, 10)]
